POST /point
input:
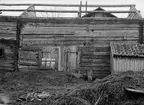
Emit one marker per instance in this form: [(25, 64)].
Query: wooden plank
[(79, 38), (67, 5), (32, 57), (81, 26), (58, 30), (112, 26), (28, 63), (78, 34), (63, 43), (31, 48), (80, 21), (68, 43), (51, 27), (95, 53), (95, 49), (5, 68), (111, 29), (108, 33), (71, 20), (94, 61), (8, 31), (28, 30), (7, 28), (8, 24), (68, 11), (28, 67), (140, 91), (8, 18), (8, 37), (74, 41), (28, 55), (5, 64), (93, 65), (7, 60)]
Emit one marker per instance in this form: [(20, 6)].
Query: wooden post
[(18, 27), (86, 8), (79, 13), (141, 32)]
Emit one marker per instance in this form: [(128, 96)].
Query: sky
[(139, 3)]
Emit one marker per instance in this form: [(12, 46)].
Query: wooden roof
[(127, 49)]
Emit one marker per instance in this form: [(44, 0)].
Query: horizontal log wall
[(8, 61), (43, 34), (8, 30), (28, 59), (95, 39)]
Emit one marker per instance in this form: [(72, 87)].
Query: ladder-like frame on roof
[(133, 13)]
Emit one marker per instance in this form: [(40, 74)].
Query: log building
[(80, 44)]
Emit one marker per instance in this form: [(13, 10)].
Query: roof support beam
[(67, 5), (64, 11)]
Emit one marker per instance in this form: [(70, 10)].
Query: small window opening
[(47, 60)]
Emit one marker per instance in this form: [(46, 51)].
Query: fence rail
[(79, 10), (68, 5), (66, 11)]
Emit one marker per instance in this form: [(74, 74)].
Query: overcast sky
[(139, 3)]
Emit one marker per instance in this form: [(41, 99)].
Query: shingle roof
[(127, 49)]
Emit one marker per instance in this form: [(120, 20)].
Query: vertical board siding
[(126, 63)]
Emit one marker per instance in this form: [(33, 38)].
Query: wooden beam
[(65, 11), (67, 5), (86, 8), (81, 20), (13, 10), (80, 9), (140, 91), (8, 18), (141, 33), (58, 20)]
